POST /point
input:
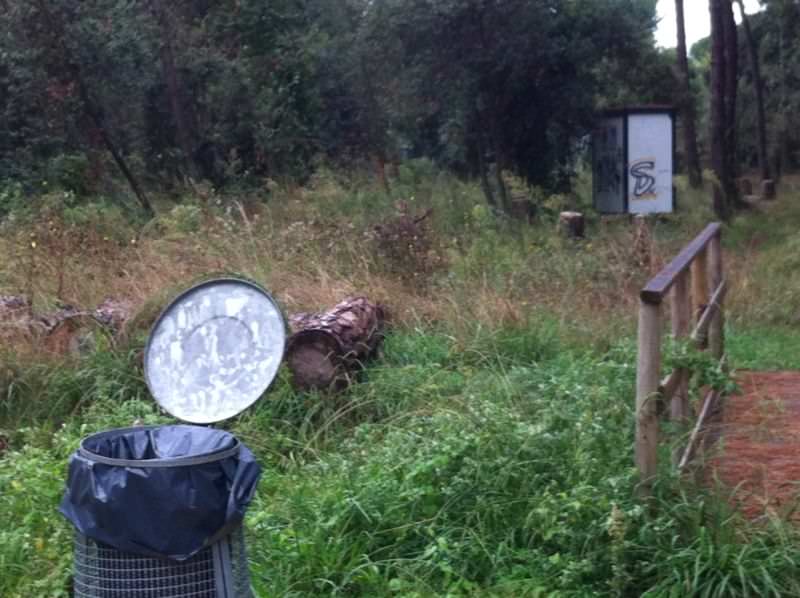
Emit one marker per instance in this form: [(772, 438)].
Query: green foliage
[(774, 32), (242, 91), (34, 541), (480, 455), (54, 391), (439, 474), (706, 370), (35, 553), (699, 548), (515, 69), (764, 347)]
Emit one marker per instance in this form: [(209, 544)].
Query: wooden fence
[(696, 284)]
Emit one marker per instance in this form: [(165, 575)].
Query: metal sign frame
[(625, 115)]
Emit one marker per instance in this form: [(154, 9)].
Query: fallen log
[(71, 331), (327, 348), (16, 320), (113, 313), (12, 305)]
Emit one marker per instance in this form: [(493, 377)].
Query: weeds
[(434, 475), (488, 452)]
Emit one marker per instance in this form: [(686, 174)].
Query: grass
[(486, 453), (764, 348)]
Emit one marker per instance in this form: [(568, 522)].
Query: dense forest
[(238, 92)]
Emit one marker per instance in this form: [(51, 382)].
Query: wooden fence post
[(716, 332), (700, 282), (680, 318), (647, 379)]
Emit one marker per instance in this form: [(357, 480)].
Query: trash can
[(158, 510)]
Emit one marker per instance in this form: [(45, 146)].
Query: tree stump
[(745, 186), (325, 349), (522, 209), (768, 189), (571, 225)]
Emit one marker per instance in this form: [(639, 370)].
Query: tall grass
[(448, 470), (488, 452), (312, 246)]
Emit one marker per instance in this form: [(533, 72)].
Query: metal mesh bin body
[(158, 510), (219, 571)]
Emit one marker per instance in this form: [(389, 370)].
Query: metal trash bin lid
[(214, 350)]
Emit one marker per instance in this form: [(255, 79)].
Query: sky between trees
[(698, 22)]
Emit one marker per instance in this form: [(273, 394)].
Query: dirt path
[(758, 448)]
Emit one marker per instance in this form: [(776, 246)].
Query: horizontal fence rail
[(695, 284)]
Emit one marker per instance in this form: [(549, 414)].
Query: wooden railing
[(696, 283)]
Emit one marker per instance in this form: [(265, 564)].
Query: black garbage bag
[(163, 491)]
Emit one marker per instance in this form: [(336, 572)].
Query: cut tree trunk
[(327, 348), (768, 189), (523, 209), (571, 225), (745, 186)]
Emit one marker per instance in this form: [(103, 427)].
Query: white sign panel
[(608, 151), (649, 163)]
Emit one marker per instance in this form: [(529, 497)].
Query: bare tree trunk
[(326, 348), (96, 114), (687, 104), (763, 160), (57, 32), (95, 150), (376, 127), (718, 121), (483, 168), (502, 190), (782, 153), (172, 80), (731, 41), (379, 162)]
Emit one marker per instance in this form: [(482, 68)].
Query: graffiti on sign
[(644, 182)]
